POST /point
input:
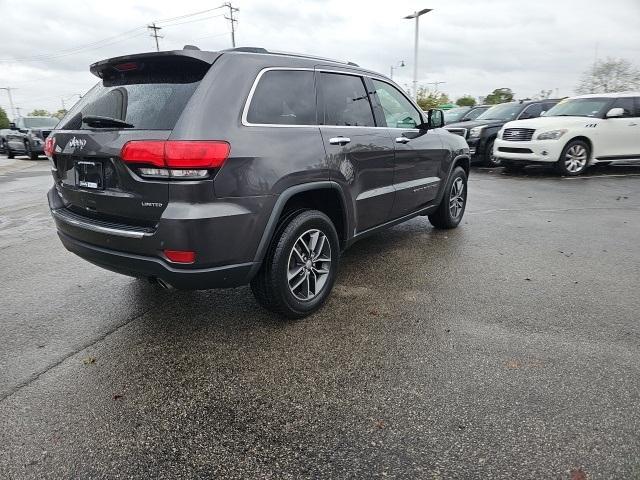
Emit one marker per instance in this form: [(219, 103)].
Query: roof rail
[(289, 54)]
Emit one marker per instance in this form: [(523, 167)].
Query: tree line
[(604, 76)]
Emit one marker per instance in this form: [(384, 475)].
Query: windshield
[(505, 112), (475, 113), (455, 114), (578, 107), (40, 122)]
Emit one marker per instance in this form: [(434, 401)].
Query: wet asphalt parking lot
[(508, 348)]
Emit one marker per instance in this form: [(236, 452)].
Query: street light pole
[(416, 15), (8, 89)]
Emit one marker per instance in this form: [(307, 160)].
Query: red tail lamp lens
[(193, 154), (49, 146), (180, 256), (188, 154), (150, 152), (126, 67)]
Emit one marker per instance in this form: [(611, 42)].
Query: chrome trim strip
[(418, 184), (97, 228), (375, 192), (380, 78)]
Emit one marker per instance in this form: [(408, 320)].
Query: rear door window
[(284, 97), (343, 101), (150, 98)]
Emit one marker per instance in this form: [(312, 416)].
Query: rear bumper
[(142, 266), (223, 233)]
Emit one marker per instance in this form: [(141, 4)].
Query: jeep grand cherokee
[(217, 169)]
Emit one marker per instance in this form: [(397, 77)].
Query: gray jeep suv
[(216, 169)]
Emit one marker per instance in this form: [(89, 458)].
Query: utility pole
[(18, 110), (435, 84), (155, 34), (233, 22), (416, 15), (8, 89)]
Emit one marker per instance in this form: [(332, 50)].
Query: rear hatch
[(139, 97)]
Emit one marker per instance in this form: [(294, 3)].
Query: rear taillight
[(49, 146), (176, 158)]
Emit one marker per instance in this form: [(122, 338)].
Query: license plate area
[(89, 174)]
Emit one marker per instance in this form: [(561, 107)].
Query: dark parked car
[(481, 133), (27, 135), (217, 169), (464, 114), (3, 139)]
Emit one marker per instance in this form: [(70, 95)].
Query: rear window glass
[(148, 99), (345, 101), (284, 97)]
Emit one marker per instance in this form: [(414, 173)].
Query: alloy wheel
[(575, 160), (457, 197), (309, 265)]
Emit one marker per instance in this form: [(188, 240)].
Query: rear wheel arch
[(325, 196)]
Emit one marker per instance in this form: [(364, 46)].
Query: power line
[(233, 22), (155, 34), (189, 14), (127, 35)]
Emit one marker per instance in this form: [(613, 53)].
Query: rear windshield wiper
[(106, 122)]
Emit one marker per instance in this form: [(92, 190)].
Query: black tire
[(9, 152), (488, 159), (443, 217), (513, 167), (563, 165), (3, 147), (271, 286), (30, 153)]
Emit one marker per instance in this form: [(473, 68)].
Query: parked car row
[(26, 136), (571, 134), (482, 132), (575, 134)]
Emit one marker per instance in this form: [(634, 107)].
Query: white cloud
[(474, 46)]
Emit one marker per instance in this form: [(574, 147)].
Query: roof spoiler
[(130, 62)]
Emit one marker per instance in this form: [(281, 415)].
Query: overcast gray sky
[(472, 45)]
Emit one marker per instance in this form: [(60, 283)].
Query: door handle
[(339, 140), (402, 140)]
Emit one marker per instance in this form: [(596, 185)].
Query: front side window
[(627, 105), (398, 111), (344, 101), (284, 97)]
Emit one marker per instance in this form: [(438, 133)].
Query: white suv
[(574, 134)]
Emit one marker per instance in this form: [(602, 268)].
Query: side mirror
[(436, 118), (615, 113), (12, 126)]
